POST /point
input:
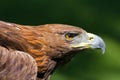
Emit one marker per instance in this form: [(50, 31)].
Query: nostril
[(91, 38)]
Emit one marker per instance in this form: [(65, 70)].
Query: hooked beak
[(91, 41)]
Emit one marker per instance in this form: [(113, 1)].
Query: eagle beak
[(91, 41)]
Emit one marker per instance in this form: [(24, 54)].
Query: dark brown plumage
[(47, 45)]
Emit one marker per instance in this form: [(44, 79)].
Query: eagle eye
[(70, 36)]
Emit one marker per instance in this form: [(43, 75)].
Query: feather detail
[(17, 65)]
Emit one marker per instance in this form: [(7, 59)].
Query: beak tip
[(103, 50), (102, 45)]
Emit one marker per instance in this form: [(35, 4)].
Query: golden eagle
[(34, 52)]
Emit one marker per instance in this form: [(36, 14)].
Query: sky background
[(101, 17)]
